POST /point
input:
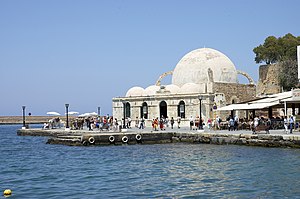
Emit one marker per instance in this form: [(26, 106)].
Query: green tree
[(277, 49), (283, 52), (288, 74)]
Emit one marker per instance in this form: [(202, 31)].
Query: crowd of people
[(257, 123), (231, 123), (53, 123)]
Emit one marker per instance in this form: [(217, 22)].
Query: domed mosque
[(204, 76)]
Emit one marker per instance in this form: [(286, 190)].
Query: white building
[(204, 73)]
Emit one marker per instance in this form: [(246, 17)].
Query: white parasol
[(52, 113), (93, 114), (73, 113), (88, 114)]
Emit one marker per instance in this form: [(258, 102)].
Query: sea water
[(33, 169)]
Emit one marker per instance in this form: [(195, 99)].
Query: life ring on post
[(84, 143), (125, 139), (111, 139), (91, 140), (138, 137)]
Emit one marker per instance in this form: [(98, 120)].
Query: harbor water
[(33, 169)]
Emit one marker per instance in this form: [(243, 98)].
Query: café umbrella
[(88, 114), (73, 113), (52, 113)]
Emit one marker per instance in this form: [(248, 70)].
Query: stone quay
[(276, 138)]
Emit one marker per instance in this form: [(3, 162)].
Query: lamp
[(67, 114), (24, 126), (124, 113), (99, 108), (200, 122)]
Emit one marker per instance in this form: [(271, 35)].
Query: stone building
[(268, 82), (203, 79)]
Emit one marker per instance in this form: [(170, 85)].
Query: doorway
[(163, 111)]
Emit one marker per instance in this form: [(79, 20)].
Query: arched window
[(127, 109), (144, 110), (163, 109), (181, 109)]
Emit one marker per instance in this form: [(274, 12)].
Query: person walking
[(161, 124), (142, 125), (191, 122), (218, 121), (291, 120), (285, 121), (172, 122), (178, 121), (156, 124), (231, 124), (209, 123), (236, 123)]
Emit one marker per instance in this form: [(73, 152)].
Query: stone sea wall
[(86, 138), (265, 140), (4, 120)]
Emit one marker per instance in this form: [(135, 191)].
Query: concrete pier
[(276, 138)]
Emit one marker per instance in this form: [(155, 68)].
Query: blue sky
[(86, 52)]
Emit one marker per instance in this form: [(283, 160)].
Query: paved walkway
[(187, 129)]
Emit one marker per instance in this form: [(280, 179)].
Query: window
[(181, 109), (127, 109), (144, 110)]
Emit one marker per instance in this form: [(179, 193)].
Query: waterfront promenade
[(275, 138)]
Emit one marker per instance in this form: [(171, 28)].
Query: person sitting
[(46, 126)]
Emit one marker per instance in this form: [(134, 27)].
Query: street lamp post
[(67, 114), (124, 114), (24, 126), (200, 122), (99, 108)]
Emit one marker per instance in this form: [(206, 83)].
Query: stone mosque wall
[(268, 82), (233, 93), (236, 92)]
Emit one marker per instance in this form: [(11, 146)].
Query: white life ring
[(111, 138), (91, 140), (138, 137), (125, 139), (84, 143)]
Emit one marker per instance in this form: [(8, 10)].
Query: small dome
[(172, 88), (193, 68), (190, 88), (135, 91), (151, 90)]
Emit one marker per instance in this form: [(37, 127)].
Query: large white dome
[(151, 90), (135, 91), (193, 68), (172, 88)]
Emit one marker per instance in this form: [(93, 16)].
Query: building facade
[(203, 79)]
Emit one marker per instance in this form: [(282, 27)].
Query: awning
[(265, 102), (247, 106), (232, 107), (261, 105)]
